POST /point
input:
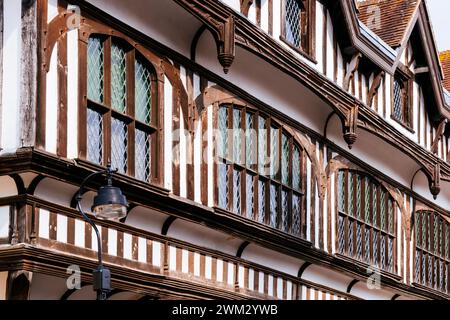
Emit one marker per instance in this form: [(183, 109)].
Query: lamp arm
[(85, 216), (99, 242)]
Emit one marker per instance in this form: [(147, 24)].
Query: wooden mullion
[(379, 224), (243, 161), (82, 99), (215, 156), (62, 91), (258, 12), (268, 182), (283, 18), (256, 178)]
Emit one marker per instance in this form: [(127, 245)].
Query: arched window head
[(259, 169), (366, 220), (121, 107)]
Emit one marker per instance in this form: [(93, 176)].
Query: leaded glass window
[(432, 257), (259, 170), (117, 130), (400, 101), (292, 22), (366, 220)]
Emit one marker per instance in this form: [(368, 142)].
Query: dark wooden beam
[(245, 6), (374, 87), (351, 68)]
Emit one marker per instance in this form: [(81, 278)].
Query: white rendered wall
[(12, 52)]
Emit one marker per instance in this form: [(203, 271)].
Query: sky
[(440, 11)]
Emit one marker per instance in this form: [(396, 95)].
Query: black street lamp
[(109, 204)]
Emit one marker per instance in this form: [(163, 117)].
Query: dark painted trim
[(351, 285), (167, 224), (303, 269), (195, 40), (241, 249)]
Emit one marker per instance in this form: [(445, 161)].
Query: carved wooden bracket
[(245, 6), (435, 181), (351, 68), (439, 134), (374, 87), (222, 29), (226, 45), (350, 126)]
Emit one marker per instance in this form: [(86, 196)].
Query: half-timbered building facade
[(269, 149)]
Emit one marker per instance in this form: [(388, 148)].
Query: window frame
[(254, 170), (405, 80), (429, 237), (307, 28), (128, 117), (366, 226)]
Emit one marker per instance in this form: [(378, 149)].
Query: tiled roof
[(395, 17), (445, 62)]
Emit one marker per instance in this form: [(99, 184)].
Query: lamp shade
[(110, 203)]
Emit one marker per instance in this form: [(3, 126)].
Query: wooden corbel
[(439, 133), (435, 181), (351, 68), (222, 29), (350, 126), (374, 87), (226, 44), (245, 6)]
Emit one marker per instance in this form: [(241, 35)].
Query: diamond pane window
[(261, 201), (341, 234), (250, 140), (250, 196), (351, 194), (237, 137), (223, 132), (373, 243), (274, 151), (398, 100), (341, 195), (259, 171), (119, 143), (296, 173), (350, 237), (292, 22), (285, 211), (358, 241), (430, 240), (296, 215), (273, 218), (95, 133), (237, 191), (142, 155), (262, 146), (95, 72), (111, 135), (143, 92), (118, 78), (223, 186)]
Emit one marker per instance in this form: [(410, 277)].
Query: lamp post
[(109, 204)]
